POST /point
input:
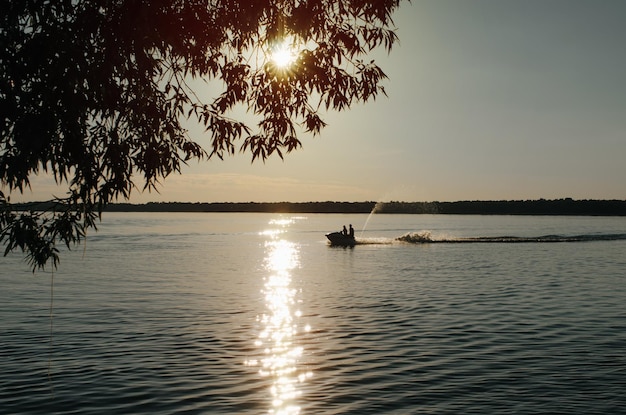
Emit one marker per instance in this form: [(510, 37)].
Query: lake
[(243, 313)]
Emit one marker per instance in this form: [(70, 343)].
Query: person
[(351, 231), (344, 231)]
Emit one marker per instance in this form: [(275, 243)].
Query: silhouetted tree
[(94, 93)]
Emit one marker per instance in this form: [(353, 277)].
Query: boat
[(339, 239)]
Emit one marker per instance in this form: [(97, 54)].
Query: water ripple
[(164, 328)]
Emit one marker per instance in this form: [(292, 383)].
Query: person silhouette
[(351, 232), (344, 231)]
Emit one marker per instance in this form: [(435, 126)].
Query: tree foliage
[(96, 92)]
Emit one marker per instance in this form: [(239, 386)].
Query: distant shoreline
[(562, 207)]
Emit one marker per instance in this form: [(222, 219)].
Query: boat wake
[(375, 241), (425, 237)]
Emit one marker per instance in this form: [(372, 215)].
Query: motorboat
[(340, 239)]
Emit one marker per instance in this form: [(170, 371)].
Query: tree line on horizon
[(476, 207), (565, 206)]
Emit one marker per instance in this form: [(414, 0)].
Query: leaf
[(100, 94)]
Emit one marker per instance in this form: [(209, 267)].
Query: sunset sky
[(488, 99)]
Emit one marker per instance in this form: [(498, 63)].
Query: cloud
[(218, 187), (233, 187)]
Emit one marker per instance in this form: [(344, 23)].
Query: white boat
[(338, 238)]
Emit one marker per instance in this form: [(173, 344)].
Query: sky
[(487, 100)]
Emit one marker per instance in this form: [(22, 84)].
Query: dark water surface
[(256, 314)]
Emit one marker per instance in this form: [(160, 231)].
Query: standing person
[(345, 231), (351, 232)]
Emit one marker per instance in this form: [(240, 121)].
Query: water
[(256, 314)]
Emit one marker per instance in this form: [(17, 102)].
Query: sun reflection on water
[(277, 338)]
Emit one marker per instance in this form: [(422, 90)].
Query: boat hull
[(338, 238)]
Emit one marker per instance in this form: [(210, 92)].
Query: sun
[(284, 54)]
